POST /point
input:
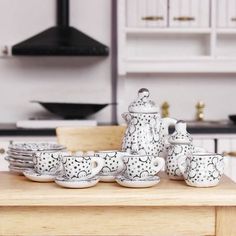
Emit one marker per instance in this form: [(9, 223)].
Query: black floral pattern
[(204, 169)]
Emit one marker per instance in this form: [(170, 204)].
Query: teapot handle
[(167, 122)]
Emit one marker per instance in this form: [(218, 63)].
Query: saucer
[(64, 182), (146, 183), (34, 176), (109, 178)]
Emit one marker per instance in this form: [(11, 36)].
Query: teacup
[(47, 162), (202, 169), (141, 167), (113, 164), (81, 167)]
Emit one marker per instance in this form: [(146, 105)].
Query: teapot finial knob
[(143, 93)]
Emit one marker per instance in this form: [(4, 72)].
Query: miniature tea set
[(147, 148)]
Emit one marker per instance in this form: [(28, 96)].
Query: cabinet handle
[(233, 19), (231, 154), (184, 18), (2, 150), (153, 18)]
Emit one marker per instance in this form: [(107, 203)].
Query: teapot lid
[(143, 104), (180, 136)]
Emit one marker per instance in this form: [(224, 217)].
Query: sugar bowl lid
[(143, 104), (180, 136)]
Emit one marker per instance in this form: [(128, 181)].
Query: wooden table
[(169, 209)]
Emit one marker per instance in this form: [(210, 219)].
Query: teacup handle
[(157, 164), (99, 163), (182, 163)]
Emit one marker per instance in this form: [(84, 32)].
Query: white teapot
[(146, 132)]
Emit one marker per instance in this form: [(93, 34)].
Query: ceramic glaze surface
[(180, 144), (113, 163), (146, 183), (146, 132), (138, 167), (174, 152), (32, 147), (34, 176), (78, 183), (47, 162), (81, 167), (202, 170)]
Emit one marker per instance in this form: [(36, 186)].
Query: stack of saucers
[(20, 155)]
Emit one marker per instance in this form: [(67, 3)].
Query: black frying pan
[(72, 110), (233, 118)]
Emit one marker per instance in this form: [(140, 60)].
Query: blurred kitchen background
[(89, 79), (183, 51)]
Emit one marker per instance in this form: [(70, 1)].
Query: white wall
[(183, 91), (52, 79), (87, 79)]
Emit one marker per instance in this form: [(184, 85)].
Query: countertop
[(169, 208), (10, 129), (19, 191)]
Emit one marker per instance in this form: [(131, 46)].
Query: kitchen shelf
[(226, 31), (161, 48), (167, 30), (180, 65)]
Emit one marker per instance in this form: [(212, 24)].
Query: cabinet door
[(226, 13), (3, 150), (228, 145), (146, 13), (189, 13)]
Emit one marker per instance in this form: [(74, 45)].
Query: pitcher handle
[(157, 164), (99, 163), (182, 163), (120, 166)]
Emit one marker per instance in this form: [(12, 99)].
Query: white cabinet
[(207, 144), (186, 13), (228, 145), (226, 13), (176, 36), (146, 13)]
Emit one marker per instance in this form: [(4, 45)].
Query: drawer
[(146, 13), (226, 13), (186, 13)]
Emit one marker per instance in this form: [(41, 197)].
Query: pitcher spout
[(126, 116)]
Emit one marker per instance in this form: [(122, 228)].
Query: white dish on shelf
[(34, 176), (64, 182), (146, 183)]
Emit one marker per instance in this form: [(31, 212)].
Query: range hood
[(60, 40)]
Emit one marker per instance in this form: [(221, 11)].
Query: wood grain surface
[(110, 221), (19, 191), (91, 138)]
